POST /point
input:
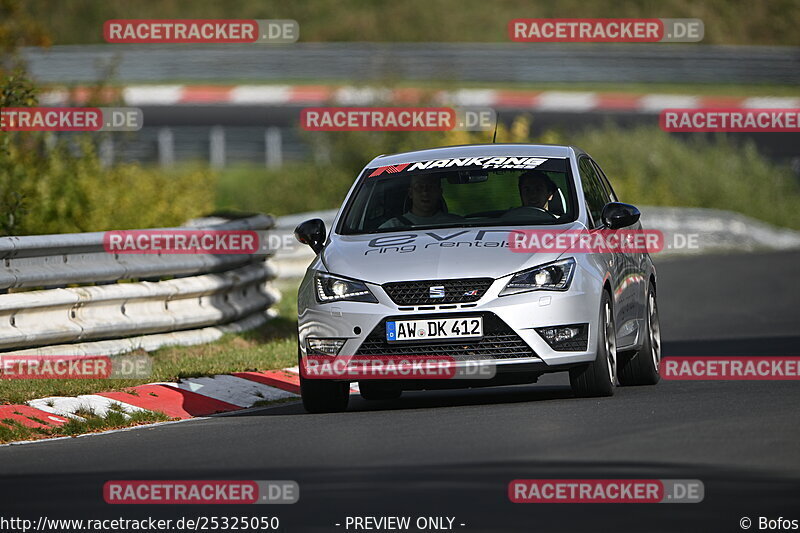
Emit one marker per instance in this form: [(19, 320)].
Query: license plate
[(436, 328)]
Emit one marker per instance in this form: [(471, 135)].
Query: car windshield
[(498, 191)]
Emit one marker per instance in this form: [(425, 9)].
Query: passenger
[(427, 205)]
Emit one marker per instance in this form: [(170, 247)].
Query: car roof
[(476, 150)]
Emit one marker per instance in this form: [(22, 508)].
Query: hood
[(450, 253)]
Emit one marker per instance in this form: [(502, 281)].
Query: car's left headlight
[(551, 277), (332, 288)]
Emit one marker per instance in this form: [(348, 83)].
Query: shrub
[(650, 167), (54, 190), (62, 187), (294, 188)]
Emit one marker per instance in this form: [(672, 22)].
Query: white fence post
[(106, 152), (217, 147), (166, 147), (273, 147)]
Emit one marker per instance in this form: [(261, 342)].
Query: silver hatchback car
[(421, 261)]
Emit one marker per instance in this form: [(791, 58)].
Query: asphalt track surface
[(454, 453)]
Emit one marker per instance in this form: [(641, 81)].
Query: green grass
[(271, 346), (11, 430)]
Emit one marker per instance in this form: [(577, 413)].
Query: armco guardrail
[(54, 260), (484, 62), (205, 291)]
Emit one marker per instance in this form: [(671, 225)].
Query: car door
[(632, 279), (597, 197)]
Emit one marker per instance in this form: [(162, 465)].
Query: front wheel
[(323, 395), (599, 377), (642, 368)]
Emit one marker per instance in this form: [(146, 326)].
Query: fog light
[(554, 335), (572, 337), (324, 346)]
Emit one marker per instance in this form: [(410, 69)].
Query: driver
[(536, 190), (427, 204)]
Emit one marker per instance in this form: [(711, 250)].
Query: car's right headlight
[(330, 288), (550, 277)]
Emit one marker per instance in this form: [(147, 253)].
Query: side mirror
[(618, 215), (312, 233)]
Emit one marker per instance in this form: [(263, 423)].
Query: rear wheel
[(323, 395), (598, 378), (378, 391), (642, 368)]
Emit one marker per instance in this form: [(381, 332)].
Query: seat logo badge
[(436, 292)]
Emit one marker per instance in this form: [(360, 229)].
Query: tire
[(378, 391), (323, 395), (598, 378), (642, 368)]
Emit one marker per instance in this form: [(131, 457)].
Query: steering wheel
[(537, 210)]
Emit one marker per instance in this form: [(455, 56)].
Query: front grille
[(456, 291), (499, 342), (577, 345)]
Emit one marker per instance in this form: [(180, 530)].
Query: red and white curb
[(277, 95), (190, 398)]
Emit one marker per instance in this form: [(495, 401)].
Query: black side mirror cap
[(618, 215), (312, 233)]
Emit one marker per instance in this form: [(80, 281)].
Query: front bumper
[(510, 339)]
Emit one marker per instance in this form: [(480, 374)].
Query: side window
[(593, 191), (607, 184)]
